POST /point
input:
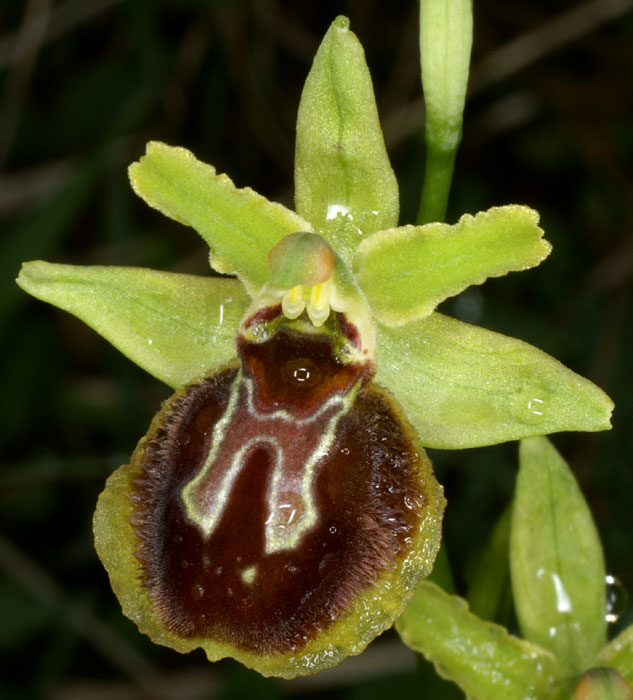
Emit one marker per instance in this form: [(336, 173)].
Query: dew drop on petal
[(333, 210), (197, 591), (531, 403)]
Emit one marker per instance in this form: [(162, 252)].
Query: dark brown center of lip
[(226, 585)]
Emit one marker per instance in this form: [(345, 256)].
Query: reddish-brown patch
[(297, 371), (263, 315), (367, 494)]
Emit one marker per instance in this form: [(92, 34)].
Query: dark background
[(85, 83)]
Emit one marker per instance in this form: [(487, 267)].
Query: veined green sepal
[(344, 184), (475, 387), (174, 326)]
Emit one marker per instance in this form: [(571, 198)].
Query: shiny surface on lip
[(226, 587)]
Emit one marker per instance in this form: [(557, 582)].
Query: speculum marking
[(297, 444)]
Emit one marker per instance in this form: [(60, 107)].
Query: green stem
[(437, 183)]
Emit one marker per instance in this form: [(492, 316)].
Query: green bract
[(459, 385)]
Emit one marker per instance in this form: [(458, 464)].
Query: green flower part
[(281, 509)]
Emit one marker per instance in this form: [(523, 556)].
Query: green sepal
[(177, 327), (618, 654), (556, 561), (481, 657), (239, 225), (406, 272), (344, 184), (476, 387)]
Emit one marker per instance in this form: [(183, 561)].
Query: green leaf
[(490, 580), (344, 184), (619, 654), (406, 272), (239, 225), (482, 658), (177, 327), (464, 386), (556, 561)]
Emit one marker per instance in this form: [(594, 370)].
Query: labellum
[(279, 510)]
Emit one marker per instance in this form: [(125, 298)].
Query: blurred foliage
[(83, 86)]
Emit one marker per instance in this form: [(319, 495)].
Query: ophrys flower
[(281, 509)]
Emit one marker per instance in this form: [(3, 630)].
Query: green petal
[(619, 654), (176, 327), (408, 271), (464, 386), (482, 658), (344, 184), (558, 576), (239, 225)]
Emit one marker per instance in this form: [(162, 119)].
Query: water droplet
[(260, 333), (333, 529), (301, 372), (616, 597), (531, 403), (185, 564), (333, 210), (197, 591), (347, 351)]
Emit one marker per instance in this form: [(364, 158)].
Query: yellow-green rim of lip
[(372, 612)]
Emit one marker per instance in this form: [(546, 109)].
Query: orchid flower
[(281, 509)]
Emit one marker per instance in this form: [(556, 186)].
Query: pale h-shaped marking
[(298, 446)]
